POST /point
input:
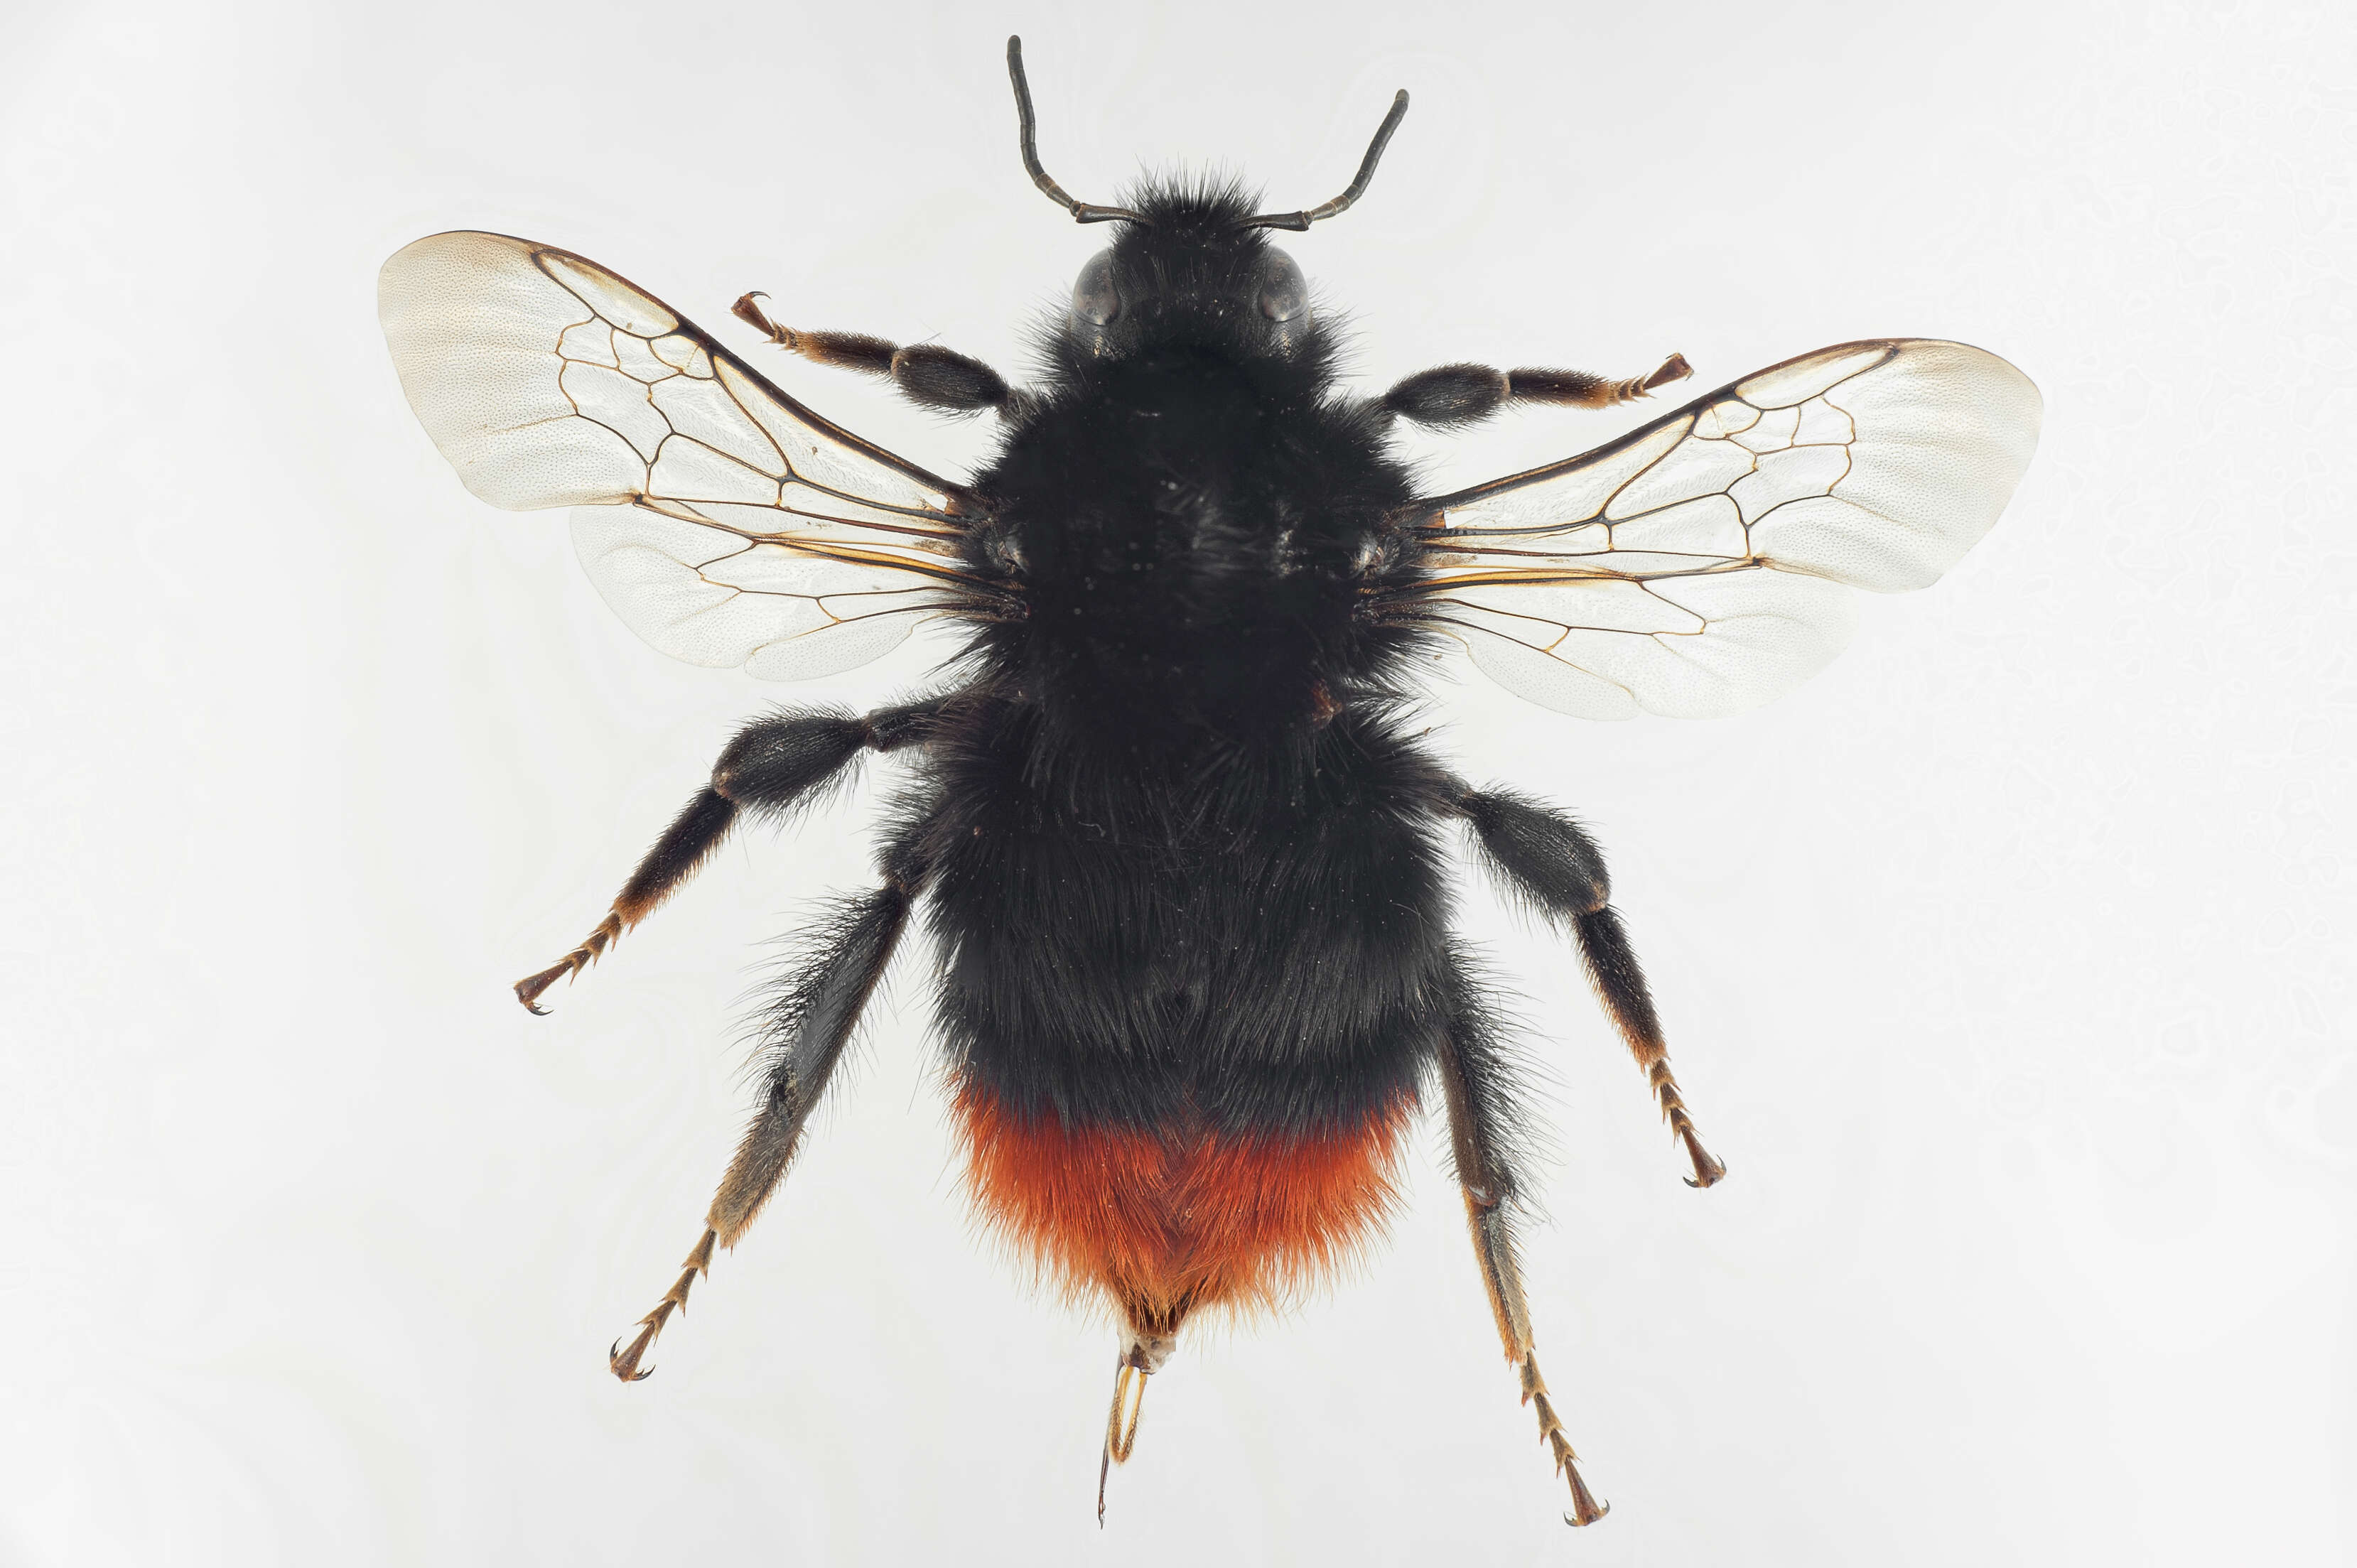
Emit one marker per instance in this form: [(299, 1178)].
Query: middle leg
[(774, 767), (1550, 860)]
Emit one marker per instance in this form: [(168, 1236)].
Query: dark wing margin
[(722, 521), (1701, 565)]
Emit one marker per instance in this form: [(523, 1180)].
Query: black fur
[(1186, 862), (1195, 510), (1254, 936), (1181, 849)]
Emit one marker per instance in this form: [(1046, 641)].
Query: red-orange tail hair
[(1166, 1220)]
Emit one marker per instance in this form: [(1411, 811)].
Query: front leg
[(774, 765), (1453, 396), (1544, 856), (924, 374)]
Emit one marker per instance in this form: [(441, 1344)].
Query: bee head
[(1188, 258), (1203, 252)]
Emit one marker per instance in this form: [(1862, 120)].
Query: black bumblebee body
[(1183, 857), (1188, 767)]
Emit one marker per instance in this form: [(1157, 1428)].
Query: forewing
[(1700, 565), (724, 521)]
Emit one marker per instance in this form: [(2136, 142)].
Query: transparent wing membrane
[(1700, 565), (725, 522)]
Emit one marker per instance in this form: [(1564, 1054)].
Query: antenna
[(1299, 221), (1089, 212)]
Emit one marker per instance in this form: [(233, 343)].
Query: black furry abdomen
[(1256, 949)]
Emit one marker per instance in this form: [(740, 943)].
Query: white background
[(2006, 965)]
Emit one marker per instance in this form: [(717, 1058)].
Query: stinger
[(1129, 1377)]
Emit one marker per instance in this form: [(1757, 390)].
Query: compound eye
[(1094, 300), (1283, 293)]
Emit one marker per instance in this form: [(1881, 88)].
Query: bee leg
[(1580, 390), (817, 1005), (1454, 396), (624, 1364), (686, 845), (1482, 1130), (1547, 859), (924, 374), (775, 764)]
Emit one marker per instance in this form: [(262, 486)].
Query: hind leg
[(1482, 1135), (807, 1027)]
